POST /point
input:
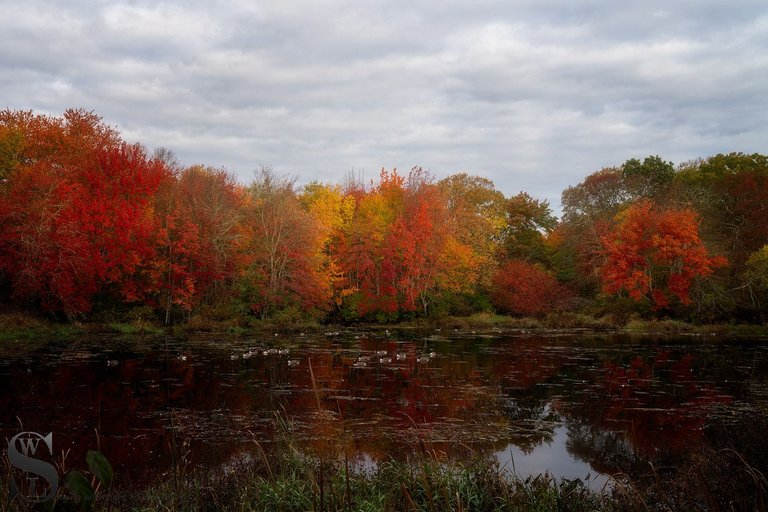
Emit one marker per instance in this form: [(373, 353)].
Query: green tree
[(755, 278), (528, 221), (730, 194), (648, 178)]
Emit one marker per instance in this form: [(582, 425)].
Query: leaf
[(79, 486), (100, 466)]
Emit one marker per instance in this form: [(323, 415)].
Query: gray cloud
[(533, 94)]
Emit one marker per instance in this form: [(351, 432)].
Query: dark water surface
[(573, 405)]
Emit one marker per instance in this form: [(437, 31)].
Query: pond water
[(574, 405)]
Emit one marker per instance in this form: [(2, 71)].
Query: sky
[(532, 94)]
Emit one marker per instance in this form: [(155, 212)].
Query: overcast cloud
[(534, 95)]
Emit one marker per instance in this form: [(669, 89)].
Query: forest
[(92, 226)]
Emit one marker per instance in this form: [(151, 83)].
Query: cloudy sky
[(533, 94)]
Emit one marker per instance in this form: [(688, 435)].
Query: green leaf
[(78, 486), (100, 467)]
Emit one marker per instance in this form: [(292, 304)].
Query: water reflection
[(570, 405), (556, 452)]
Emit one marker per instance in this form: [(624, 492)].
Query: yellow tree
[(476, 218), (332, 211)]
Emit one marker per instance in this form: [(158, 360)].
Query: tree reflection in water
[(610, 403), (534, 422)]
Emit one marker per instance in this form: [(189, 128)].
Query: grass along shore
[(295, 480), (25, 326)]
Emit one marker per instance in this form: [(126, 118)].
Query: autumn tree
[(755, 279), (588, 210), (731, 194), (11, 147), (416, 243), (116, 208), (171, 282), (655, 254), (475, 219), (198, 235), (601, 194), (283, 267), (215, 200), (590, 207), (332, 211), (361, 248), (42, 246), (28, 139), (76, 211), (392, 249)]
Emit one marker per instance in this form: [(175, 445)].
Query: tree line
[(90, 223)]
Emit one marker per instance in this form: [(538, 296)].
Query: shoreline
[(20, 326)]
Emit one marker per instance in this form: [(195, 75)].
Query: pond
[(573, 405)]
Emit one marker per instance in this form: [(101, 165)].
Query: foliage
[(392, 251), (528, 220), (475, 222), (91, 227), (730, 192), (756, 273), (197, 215), (600, 195), (82, 491), (524, 289), (655, 254), (76, 214), (649, 178), (281, 253), (332, 210), (756, 276)]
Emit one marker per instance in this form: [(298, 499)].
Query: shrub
[(524, 289)]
